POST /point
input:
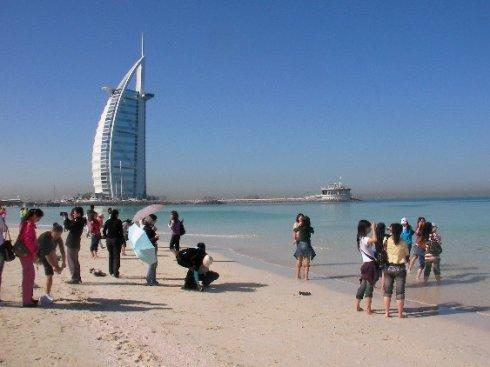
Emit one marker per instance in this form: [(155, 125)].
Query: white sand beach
[(249, 317)]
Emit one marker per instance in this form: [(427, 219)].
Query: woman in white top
[(367, 247)]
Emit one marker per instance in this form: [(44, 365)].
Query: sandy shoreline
[(249, 318)]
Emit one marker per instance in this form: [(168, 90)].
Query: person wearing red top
[(94, 224), (29, 238)]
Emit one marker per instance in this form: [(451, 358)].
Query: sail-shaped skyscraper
[(119, 150)]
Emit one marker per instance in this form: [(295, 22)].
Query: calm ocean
[(263, 232)]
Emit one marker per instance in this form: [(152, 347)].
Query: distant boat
[(335, 192)]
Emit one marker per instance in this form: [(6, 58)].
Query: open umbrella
[(142, 246), (146, 211)]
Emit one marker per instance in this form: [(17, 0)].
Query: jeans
[(114, 249), (365, 290), (420, 256), (395, 274), (175, 243), (151, 276), (28, 276), (428, 267), (73, 263)]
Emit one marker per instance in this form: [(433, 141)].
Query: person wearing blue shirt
[(407, 233)]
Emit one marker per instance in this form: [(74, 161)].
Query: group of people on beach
[(44, 249), (386, 254)]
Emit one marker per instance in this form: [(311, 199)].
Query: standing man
[(114, 235), (48, 242), (175, 226), (74, 224)]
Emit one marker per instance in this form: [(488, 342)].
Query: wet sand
[(250, 317)]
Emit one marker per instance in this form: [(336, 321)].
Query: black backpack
[(182, 228)]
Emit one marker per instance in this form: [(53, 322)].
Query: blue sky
[(253, 97)]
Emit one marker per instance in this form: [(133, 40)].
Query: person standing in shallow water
[(304, 251), (419, 248), (396, 272), (366, 245)]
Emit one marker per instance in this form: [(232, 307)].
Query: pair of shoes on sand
[(97, 272)]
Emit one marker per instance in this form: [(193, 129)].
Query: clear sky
[(253, 97)]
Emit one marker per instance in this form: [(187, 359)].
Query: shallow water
[(264, 232)]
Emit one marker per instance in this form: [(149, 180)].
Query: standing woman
[(396, 271), (29, 238), (432, 255), (366, 245), (304, 251), (151, 232), (379, 246), (3, 230), (175, 230), (114, 235), (418, 252), (94, 224)]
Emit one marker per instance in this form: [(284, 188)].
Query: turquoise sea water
[(264, 232)]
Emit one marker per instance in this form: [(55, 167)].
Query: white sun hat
[(404, 221), (207, 261)]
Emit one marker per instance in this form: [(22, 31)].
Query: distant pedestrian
[(366, 245), (48, 243), (74, 224), (151, 231), (27, 234), (114, 235), (176, 231), (126, 224)]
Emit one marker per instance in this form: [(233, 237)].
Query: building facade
[(119, 150)]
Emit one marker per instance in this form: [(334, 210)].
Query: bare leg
[(358, 305), (412, 262), (49, 284), (298, 268), (387, 301), (438, 279), (400, 304), (419, 273), (306, 266), (369, 302)]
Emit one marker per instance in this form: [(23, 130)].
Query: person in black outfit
[(74, 224), (198, 262), (114, 235)]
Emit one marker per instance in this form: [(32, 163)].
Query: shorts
[(48, 269), (94, 243)]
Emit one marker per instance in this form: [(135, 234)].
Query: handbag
[(7, 249), (20, 249)]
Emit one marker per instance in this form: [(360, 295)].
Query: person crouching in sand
[(49, 241), (369, 270), (396, 272), (198, 263)]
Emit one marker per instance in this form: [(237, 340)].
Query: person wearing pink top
[(29, 238)]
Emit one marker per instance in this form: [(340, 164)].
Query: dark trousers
[(114, 249), (73, 263), (365, 290), (207, 279), (395, 276), (175, 243)]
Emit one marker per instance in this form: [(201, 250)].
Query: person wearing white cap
[(407, 233)]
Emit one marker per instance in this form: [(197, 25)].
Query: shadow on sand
[(101, 304), (142, 283), (450, 308), (235, 287)]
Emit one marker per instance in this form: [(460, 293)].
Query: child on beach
[(369, 270), (396, 272), (48, 243), (304, 251), (432, 255)]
